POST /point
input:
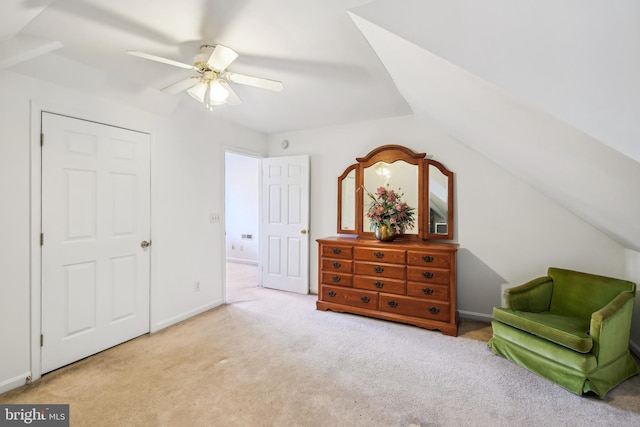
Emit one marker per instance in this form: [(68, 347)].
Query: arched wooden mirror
[(425, 184)]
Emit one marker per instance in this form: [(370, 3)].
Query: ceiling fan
[(211, 85)]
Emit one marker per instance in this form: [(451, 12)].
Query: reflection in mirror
[(401, 177), (348, 194), (438, 201)]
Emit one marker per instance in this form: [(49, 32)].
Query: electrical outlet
[(214, 217), (196, 287)]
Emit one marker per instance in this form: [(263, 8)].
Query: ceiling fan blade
[(233, 98), (180, 86), (221, 57), (261, 83), (160, 59)]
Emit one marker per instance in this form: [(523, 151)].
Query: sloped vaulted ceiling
[(549, 92)]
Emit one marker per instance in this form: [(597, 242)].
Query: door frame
[(255, 155), (35, 215)]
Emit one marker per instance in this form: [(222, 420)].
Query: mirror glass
[(348, 201), (438, 201), (402, 177)]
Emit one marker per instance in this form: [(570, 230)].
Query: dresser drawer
[(337, 265), (392, 256), (351, 297), (428, 275), (414, 307), (381, 284), (338, 279), (337, 251), (375, 269), (429, 259), (428, 290)]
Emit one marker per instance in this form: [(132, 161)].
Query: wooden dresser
[(405, 281)]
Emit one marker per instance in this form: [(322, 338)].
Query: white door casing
[(284, 238), (95, 215)]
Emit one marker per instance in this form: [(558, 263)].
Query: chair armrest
[(611, 326), (533, 296)]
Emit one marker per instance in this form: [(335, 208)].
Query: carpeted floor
[(268, 358)]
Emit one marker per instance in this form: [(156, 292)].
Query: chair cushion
[(568, 331)]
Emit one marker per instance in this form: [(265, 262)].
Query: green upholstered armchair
[(570, 327)]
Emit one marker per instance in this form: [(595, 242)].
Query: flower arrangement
[(387, 208)]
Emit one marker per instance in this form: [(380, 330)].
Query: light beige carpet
[(270, 359)]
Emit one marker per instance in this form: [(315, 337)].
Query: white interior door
[(95, 215), (285, 226)]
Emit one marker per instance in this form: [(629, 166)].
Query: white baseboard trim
[(184, 316), (475, 316), (15, 382), (242, 261)]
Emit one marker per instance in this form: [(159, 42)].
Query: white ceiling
[(549, 90), (312, 46), (576, 60)]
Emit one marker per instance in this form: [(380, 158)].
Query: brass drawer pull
[(378, 254), (365, 300), (392, 304), (427, 258), (336, 265), (427, 291), (336, 278), (336, 250), (427, 275), (434, 310), (378, 284), (332, 294), (378, 269)]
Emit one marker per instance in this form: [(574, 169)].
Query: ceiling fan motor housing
[(200, 60)]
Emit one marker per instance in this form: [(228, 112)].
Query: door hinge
[(41, 340), (41, 239), (42, 140)]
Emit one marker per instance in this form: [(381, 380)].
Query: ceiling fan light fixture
[(198, 92), (217, 93)]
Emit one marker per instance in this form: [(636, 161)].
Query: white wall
[(14, 229), (242, 181), (507, 231), (187, 182)]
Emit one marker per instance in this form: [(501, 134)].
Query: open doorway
[(242, 222)]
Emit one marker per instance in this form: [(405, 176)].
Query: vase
[(385, 233)]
